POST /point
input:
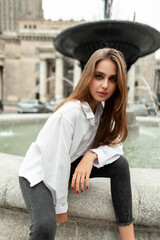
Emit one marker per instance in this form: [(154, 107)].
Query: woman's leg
[(127, 232), (119, 173), (41, 210)]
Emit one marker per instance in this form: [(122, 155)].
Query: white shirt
[(67, 135)]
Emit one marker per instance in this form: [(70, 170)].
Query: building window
[(37, 95), (157, 84), (37, 51), (136, 99), (144, 97), (136, 84), (37, 81), (37, 67), (70, 69)]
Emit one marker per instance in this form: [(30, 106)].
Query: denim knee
[(122, 166), (43, 229)]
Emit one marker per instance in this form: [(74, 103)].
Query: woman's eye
[(97, 76), (113, 79)]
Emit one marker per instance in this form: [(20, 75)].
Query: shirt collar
[(93, 118)]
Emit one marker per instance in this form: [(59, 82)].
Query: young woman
[(82, 139)]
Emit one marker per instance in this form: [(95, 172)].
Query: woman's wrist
[(94, 155)]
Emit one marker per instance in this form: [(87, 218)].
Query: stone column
[(1, 84), (131, 82), (43, 77), (76, 73), (59, 77)]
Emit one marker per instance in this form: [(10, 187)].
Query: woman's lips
[(102, 94)]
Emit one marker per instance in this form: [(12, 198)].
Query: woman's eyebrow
[(98, 72), (114, 75)]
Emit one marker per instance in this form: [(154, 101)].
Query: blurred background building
[(11, 11), (27, 54), (30, 67)]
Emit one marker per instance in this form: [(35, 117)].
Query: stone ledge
[(148, 120), (86, 211), (17, 118)]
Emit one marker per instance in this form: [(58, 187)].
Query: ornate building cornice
[(44, 35)]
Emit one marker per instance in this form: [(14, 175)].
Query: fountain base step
[(89, 219)]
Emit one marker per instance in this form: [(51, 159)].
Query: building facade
[(30, 67), (11, 11), (157, 79), (144, 81)]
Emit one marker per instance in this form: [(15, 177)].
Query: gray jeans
[(41, 210), (40, 206)]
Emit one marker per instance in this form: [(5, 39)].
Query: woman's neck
[(93, 106)]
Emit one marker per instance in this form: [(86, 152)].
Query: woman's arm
[(97, 157), (107, 154), (55, 142)]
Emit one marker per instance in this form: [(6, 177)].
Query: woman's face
[(104, 82)]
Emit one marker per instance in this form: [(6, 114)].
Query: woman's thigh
[(41, 209), (118, 167), (119, 173)]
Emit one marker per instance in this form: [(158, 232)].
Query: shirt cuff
[(61, 209), (107, 155)]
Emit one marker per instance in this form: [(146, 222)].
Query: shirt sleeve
[(55, 163), (107, 154)]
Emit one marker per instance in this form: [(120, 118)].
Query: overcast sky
[(147, 11)]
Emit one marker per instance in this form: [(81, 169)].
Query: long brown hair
[(113, 123)]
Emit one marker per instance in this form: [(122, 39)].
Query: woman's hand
[(62, 218), (83, 171)]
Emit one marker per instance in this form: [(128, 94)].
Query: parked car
[(53, 104), (152, 109), (140, 109), (30, 106)]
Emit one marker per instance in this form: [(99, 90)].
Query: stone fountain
[(133, 39)]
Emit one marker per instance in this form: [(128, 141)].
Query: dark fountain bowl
[(133, 39)]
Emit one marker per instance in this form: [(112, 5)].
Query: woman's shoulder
[(69, 110), (69, 114), (70, 106)]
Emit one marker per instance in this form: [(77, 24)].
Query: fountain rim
[(68, 35)]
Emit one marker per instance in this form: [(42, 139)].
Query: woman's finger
[(82, 183), (73, 181), (77, 184), (87, 181)]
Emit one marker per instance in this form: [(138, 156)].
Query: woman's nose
[(105, 83)]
